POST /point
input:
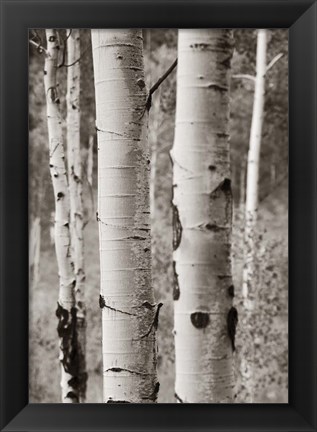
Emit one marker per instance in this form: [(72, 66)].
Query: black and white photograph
[(158, 215)]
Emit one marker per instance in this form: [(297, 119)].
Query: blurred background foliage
[(160, 50)]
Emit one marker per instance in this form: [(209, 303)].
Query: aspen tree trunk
[(251, 210), (242, 185), (75, 179), (154, 150), (90, 160), (129, 314), (273, 172), (66, 310), (34, 251), (202, 217)]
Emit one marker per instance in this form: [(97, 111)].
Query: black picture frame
[(16, 18)]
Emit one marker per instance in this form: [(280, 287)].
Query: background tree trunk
[(202, 219), (34, 251), (251, 210), (66, 310), (75, 179), (90, 160), (129, 314), (242, 186)]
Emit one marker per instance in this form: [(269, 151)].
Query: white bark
[(75, 179), (251, 210), (202, 207), (66, 311), (129, 314)]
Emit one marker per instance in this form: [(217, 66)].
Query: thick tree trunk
[(251, 210), (66, 310), (75, 179), (129, 314), (202, 211)]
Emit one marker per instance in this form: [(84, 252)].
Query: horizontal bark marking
[(102, 304), (136, 238), (118, 369), (117, 401), (218, 87), (199, 319), (222, 135), (232, 321), (222, 277), (117, 44), (213, 227), (202, 46)]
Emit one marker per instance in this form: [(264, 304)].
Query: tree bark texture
[(205, 319), (129, 313), (66, 310), (75, 178), (251, 211)]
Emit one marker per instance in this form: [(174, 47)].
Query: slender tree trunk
[(202, 217), (66, 310), (154, 150), (129, 314), (90, 160), (75, 179), (242, 185), (272, 173), (251, 210), (34, 251)]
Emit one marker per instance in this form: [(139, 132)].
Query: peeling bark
[(75, 180), (129, 312), (67, 282), (202, 206)]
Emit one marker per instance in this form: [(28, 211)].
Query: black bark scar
[(178, 398), (199, 319), (176, 290), (232, 321), (117, 401), (177, 228), (73, 357), (231, 291)]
